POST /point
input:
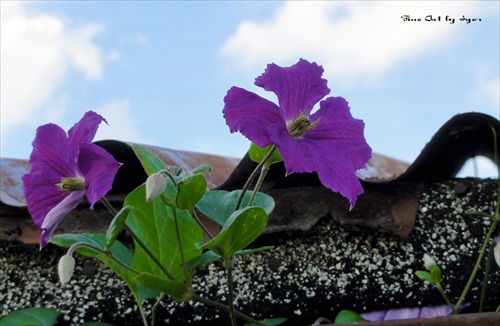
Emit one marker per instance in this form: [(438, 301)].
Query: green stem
[(99, 250), (139, 241), (262, 176), (489, 260), (155, 306), (230, 290), (170, 176), (478, 264), (253, 175), (108, 205), (197, 219), (480, 214), (495, 220), (181, 251), (448, 301), (497, 162), (143, 313), (224, 307)]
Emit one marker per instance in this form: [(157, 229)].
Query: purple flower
[(329, 141), (65, 168), (405, 313)]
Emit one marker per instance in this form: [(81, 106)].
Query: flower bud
[(429, 262), (66, 268), (496, 250), (155, 184)]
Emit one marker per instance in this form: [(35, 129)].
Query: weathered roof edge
[(462, 137), (131, 173)]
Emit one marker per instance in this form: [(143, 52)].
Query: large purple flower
[(65, 168), (329, 141)]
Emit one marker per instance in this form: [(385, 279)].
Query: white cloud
[(38, 51), (490, 89), (141, 39), (350, 39), (122, 127)]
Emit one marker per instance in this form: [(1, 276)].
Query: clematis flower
[(405, 313), (64, 168), (329, 141)]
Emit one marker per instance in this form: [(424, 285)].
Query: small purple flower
[(63, 170), (329, 141), (405, 313)]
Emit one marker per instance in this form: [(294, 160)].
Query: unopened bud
[(429, 262), (155, 184), (66, 268), (496, 250)]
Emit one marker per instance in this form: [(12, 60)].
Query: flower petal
[(443, 310), (41, 194), (335, 149), (50, 152), (84, 130), (374, 315), (50, 160), (57, 213), (403, 313), (298, 87), (256, 118), (99, 169)]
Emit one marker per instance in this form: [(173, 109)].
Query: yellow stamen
[(300, 125), (68, 185)]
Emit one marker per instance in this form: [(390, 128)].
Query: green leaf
[(206, 258), (177, 290), (348, 316), (153, 223), (96, 323), (169, 195), (241, 229), (190, 190), (218, 205), (256, 154), (270, 321), (435, 274), (202, 168), (31, 316), (424, 276), (117, 225), (150, 162)]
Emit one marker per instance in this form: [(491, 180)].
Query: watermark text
[(433, 18)]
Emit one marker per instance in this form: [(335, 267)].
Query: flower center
[(300, 125), (68, 185)]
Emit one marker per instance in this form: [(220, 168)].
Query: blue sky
[(158, 71)]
